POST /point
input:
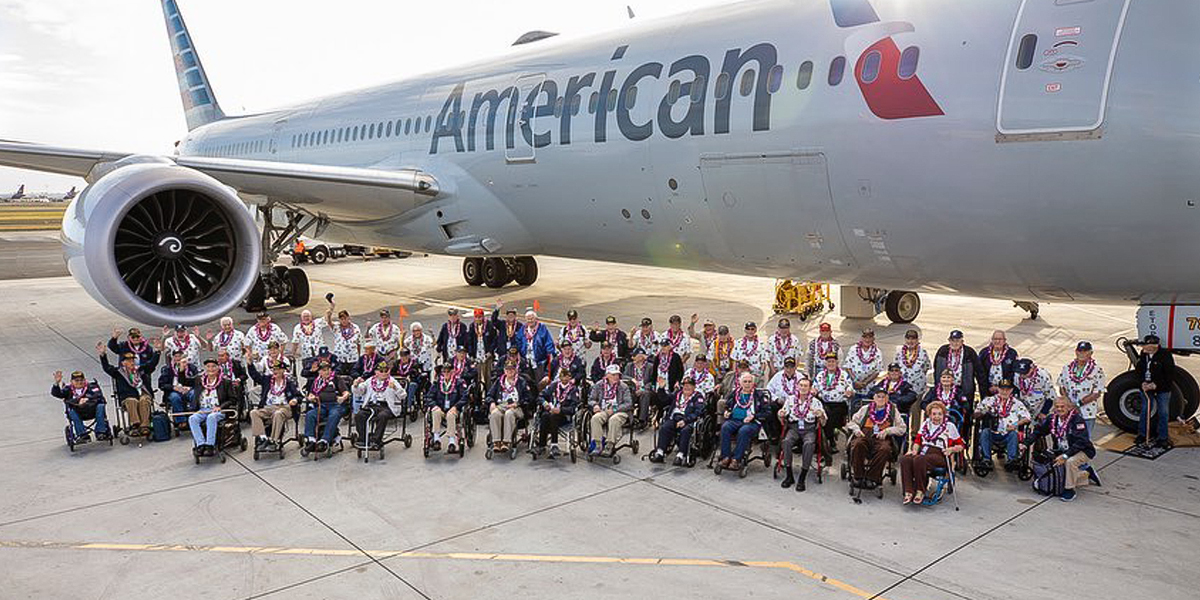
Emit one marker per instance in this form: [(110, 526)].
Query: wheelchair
[(390, 436), (464, 431), (983, 464), (229, 436), (890, 472), (764, 444), (280, 448), (521, 435), (944, 482), (569, 428), (74, 441), (689, 454), (305, 441), (120, 425), (819, 468), (584, 429), (705, 433)]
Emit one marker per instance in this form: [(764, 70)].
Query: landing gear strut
[(497, 271), (1029, 307), (282, 284)]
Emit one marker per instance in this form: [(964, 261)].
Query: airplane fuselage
[(946, 168)]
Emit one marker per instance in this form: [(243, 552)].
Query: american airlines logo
[(590, 102)]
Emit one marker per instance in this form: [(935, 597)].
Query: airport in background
[(893, 149)]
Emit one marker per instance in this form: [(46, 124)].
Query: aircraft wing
[(348, 192)]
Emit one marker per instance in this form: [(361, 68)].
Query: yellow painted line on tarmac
[(40, 227), (464, 556)]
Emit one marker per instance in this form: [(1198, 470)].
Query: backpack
[(160, 427), (1049, 479)]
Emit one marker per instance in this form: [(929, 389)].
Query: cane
[(1146, 419), (953, 483)]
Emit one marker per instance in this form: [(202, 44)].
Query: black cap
[(209, 361), (510, 311), (956, 335), (77, 375), (868, 332), (1151, 339), (894, 367), (687, 381), (701, 358), (180, 328), (611, 320), (572, 314), (646, 322), (1084, 345), (789, 361), (675, 319), (128, 356), (750, 325), (1023, 366), (405, 352), (383, 312), (829, 355), (665, 343), (784, 323), (1006, 383), (911, 334), (263, 315), (324, 351), (564, 344), (461, 349), (638, 350)]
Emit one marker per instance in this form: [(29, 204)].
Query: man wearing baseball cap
[(1156, 369), (864, 361), (260, 335), (84, 400), (1008, 415), (821, 346), (782, 346), (1082, 382), (481, 339), (386, 335), (575, 334), (645, 337), (613, 336), (752, 350), (610, 402), (707, 337), (452, 335)]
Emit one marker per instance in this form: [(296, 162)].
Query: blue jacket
[(1077, 436), (568, 405), (291, 391), (694, 409), (455, 398), (761, 406), (93, 396)]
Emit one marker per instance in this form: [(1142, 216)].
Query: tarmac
[(145, 522)]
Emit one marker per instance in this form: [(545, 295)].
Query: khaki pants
[(138, 410), (503, 422), (614, 424), (436, 414), (1074, 475), (279, 414)]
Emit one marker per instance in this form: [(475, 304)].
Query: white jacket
[(393, 395)]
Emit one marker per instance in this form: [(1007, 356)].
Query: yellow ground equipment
[(802, 299)]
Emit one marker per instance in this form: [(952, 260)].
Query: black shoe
[(789, 479), (1139, 440), (310, 445), (103, 436), (800, 487), (1011, 466), (83, 439), (678, 462), (210, 450), (1165, 444), (1093, 477), (322, 446)]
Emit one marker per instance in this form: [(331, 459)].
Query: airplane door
[(1059, 63), (775, 208), (529, 93), (276, 130)]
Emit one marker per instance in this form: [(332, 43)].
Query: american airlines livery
[(1034, 150)]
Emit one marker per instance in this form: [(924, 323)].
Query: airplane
[(70, 195), (1020, 149), (19, 194)]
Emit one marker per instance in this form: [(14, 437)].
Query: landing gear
[(1029, 307), (282, 284), (902, 307), (497, 272)]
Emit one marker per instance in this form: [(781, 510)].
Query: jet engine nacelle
[(161, 244)]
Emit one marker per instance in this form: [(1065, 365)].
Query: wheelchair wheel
[(981, 469), (891, 475), (717, 468), (222, 456), (242, 445), (512, 452), (124, 439), (425, 451), (634, 445), (380, 454), (573, 456), (745, 470), (775, 471), (256, 454), (616, 458), (1025, 473), (590, 458), (408, 440), (845, 471)]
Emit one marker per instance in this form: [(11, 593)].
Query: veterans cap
[(180, 328), (77, 375), (1006, 383), (128, 356), (510, 311), (894, 367), (369, 343), (1084, 345), (784, 323), (830, 356), (868, 332), (612, 369), (460, 349), (565, 344), (324, 351), (826, 327), (911, 334), (701, 358), (405, 352), (262, 315), (751, 325), (687, 381), (638, 350), (791, 361), (1151, 339), (1023, 366), (709, 322), (665, 343), (956, 335), (451, 311), (611, 320), (383, 312), (675, 319), (572, 314), (210, 361), (646, 322)]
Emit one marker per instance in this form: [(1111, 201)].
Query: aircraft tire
[(902, 307), (1123, 401), (527, 273), (298, 285), (473, 271), (495, 272)]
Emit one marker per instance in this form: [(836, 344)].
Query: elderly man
[(997, 362), (607, 357), (720, 362), (871, 431), (347, 341), (574, 333), (1071, 445), (510, 333), (446, 400), (900, 392), (410, 373), (185, 341), (668, 371), (707, 337), (146, 356), (610, 403), (452, 335), (681, 344), (262, 333), (567, 359), (178, 382), (706, 382), (745, 410), (1082, 382), (539, 345), (686, 407), (214, 394), (421, 347), (481, 339), (507, 401), (803, 412), (1034, 387), (914, 362), (613, 336), (227, 338), (641, 375), (278, 397), (1009, 414), (83, 400), (133, 390), (751, 349), (308, 336), (387, 335), (821, 346), (864, 362), (783, 384), (235, 372), (329, 400), (383, 399), (645, 337), (558, 403), (782, 346), (834, 386), (1157, 371)]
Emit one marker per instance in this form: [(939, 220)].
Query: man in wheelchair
[(804, 414), (84, 401), (447, 399), (678, 423), (329, 400), (610, 402), (872, 430), (745, 410), (382, 400), (1001, 416), (558, 403), (214, 393), (506, 401)]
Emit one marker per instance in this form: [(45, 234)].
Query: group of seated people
[(511, 371)]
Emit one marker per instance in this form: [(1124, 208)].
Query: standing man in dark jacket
[(1157, 370), (667, 367), (963, 362), (452, 335), (612, 334), (481, 339), (147, 356), (997, 362)]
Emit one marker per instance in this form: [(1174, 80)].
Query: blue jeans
[(410, 395), (987, 437), (81, 427), (1160, 406), (181, 403), (208, 419), (331, 414), (746, 434)]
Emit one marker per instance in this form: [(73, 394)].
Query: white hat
[(612, 369)]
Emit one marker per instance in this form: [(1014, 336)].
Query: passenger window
[(428, 123), (908, 62), (1026, 51), (612, 100), (631, 98), (870, 71), (594, 102), (558, 108), (371, 131), (747, 86), (674, 91), (837, 69), (698, 89), (389, 129), (722, 86), (408, 126), (575, 103), (775, 79), (804, 77)]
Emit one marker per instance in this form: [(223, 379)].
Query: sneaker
[(83, 439), (592, 451), (436, 444), (272, 446), (656, 456), (322, 446), (145, 432), (210, 450), (554, 451), (104, 436), (1093, 477), (1165, 444), (135, 432), (451, 448), (678, 459), (1067, 496)]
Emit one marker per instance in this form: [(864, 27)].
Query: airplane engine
[(161, 244)]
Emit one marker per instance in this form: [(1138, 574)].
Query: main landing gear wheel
[(495, 272), (473, 271), (527, 270), (902, 307), (1124, 402), (298, 286)]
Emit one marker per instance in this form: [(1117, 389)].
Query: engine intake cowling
[(162, 244)]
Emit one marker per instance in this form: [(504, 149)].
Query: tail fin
[(20, 193), (200, 105)]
